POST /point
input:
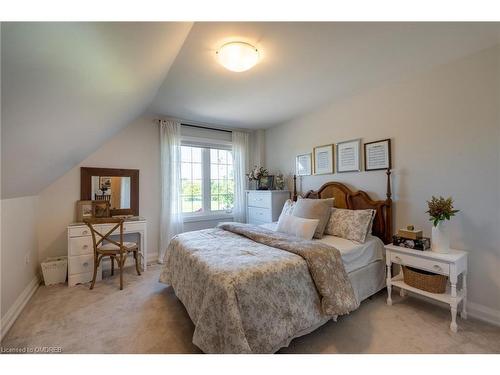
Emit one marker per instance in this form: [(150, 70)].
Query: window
[(207, 180), (221, 180), (191, 175)]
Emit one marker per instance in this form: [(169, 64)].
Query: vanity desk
[(81, 251)]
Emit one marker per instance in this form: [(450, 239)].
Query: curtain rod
[(202, 125), (206, 127)]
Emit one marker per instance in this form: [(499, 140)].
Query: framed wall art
[(303, 165), (349, 156), (266, 183), (100, 208), (378, 155), (84, 210), (323, 159)]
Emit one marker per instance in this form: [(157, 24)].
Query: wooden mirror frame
[(86, 174)]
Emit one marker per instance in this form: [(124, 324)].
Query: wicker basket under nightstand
[(449, 265), (424, 280)]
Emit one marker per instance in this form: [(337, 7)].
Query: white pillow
[(287, 208), (297, 226)]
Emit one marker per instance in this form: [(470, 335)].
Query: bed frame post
[(388, 209), (294, 197)]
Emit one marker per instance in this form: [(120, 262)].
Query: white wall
[(19, 243), (444, 126), (135, 147)]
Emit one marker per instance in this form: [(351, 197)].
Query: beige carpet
[(146, 317)]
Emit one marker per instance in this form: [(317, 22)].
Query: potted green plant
[(440, 210)]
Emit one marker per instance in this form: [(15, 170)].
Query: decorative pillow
[(318, 209), (350, 224), (296, 226), (287, 208)]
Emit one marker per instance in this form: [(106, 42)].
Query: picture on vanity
[(84, 210)]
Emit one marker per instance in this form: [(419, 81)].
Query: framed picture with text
[(349, 156), (303, 165), (323, 159), (378, 155)]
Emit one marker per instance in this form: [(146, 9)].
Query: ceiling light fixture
[(238, 56)]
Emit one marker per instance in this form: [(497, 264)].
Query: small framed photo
[(303, 165), (100, 208), (266, 183), (323, 159), (349, 156), (84, 210), (104, 183), (378, 155)]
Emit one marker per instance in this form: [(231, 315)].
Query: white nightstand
[(451, 264)]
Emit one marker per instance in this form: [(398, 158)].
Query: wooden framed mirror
[(118, 186)]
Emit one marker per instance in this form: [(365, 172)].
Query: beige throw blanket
[(324, 263)]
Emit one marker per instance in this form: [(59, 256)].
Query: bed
[(252, 290)]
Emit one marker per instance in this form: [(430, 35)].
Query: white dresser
[(264, 206), (81, 251)]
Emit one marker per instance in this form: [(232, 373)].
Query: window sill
[(193, 219)]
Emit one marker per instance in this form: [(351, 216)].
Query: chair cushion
[(112, 246)]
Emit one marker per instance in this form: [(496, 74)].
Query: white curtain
[(240, 155), (171, 209)]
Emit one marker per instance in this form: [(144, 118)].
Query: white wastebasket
[(54, 270)]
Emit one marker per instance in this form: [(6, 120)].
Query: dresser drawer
[(259, 215), (262, 200), (421, 263), (79, 231), (81, 278), (127, 228), (80, 245), (81, 264)]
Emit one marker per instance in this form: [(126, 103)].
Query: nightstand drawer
[(421, 263), (262, 200)]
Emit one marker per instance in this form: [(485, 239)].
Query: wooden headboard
[(357, 200)]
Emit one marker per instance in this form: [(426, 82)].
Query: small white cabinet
[(81, 250), (264, 206), (451, 264)]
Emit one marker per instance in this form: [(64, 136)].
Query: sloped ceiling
[(68, 87), (304, 65)]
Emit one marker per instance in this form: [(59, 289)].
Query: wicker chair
[(115, 250)]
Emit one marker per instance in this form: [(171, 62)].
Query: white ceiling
[(68, 87), (304, 65)]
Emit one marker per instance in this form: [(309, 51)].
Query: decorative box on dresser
[(81, 251), (264, 206), (451, 264)]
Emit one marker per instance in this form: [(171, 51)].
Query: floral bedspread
[(254, 290)]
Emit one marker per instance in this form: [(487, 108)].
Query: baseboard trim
[(18, 306), (483, 313), (474, 310)]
